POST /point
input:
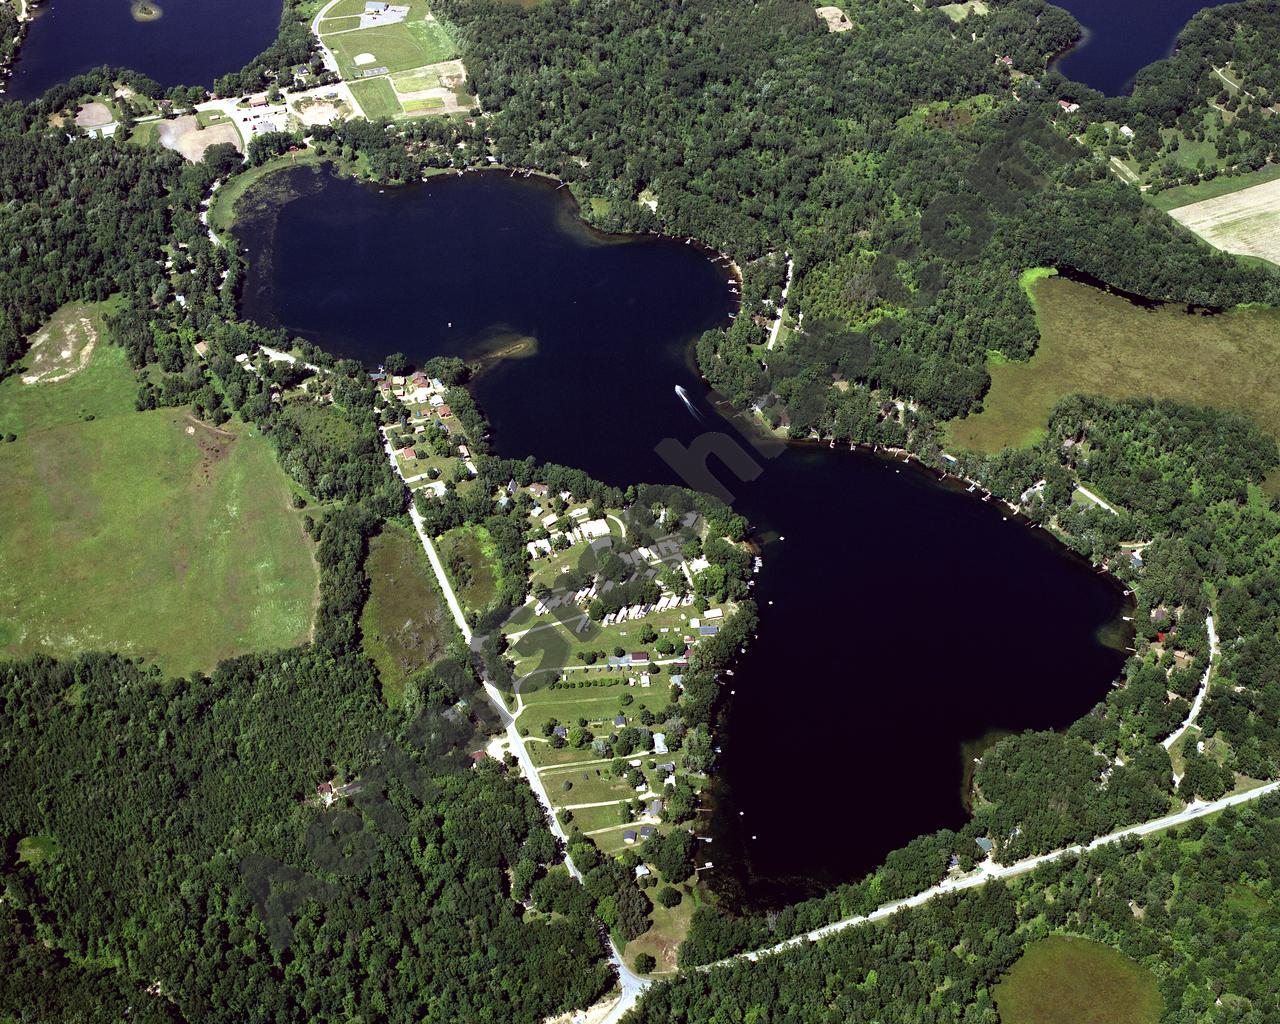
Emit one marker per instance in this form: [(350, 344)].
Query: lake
[(1121, 38), (191, 43), (900, 618)]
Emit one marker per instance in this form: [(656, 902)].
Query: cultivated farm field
[(1246, 222), (148, 533)]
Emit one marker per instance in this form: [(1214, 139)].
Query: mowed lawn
[(398, 47), (376, 98), (1061, 980), (405, 624), (1097, 343), (144, 533)]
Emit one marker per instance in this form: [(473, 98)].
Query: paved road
[(330, 61), (989, 871), (632, 984)]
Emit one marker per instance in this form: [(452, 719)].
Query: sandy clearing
[(94, 115), (1245, 222), (836, 19), (61, 349), (184, 135)]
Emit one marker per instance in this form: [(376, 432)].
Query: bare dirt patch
[(94, 115), (184, 135), (1246, 222), (62, 347), (313, 112), (836, 19)]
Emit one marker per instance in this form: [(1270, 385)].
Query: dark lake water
[(192, 43), (1122, 37), (900, 618)]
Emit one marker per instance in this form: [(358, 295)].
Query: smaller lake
[(1122, 38), (191, 43)]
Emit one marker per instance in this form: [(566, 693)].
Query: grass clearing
[(1097, 343), (405, 624), (468, 553), (376, 98), (1064, 980), (1245, 222), (35, 850), (207, 558), (668, 930)]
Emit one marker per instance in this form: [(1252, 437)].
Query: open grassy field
[(1061, 980), (1246, 222), (398, 47), (1098, 343), (147, 533), (669, 928), (405, 624), (468, 556), (1184, 195), (376, 98)]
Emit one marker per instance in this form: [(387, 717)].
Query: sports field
[(1246, 222), (1062, 980), (405, 624), (1097, 343), (376, 98), (147, 533), (398, 47)]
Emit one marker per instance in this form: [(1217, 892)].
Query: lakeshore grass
[(207, 559), (1064, 980), (1096, 343)]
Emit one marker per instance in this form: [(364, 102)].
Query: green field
[(1185, 195), (146, 533), (430, 103), (376, 98), (1061, 980), (398, 47), (468, 556), (416, 81), (405, 624), (1097, 343)]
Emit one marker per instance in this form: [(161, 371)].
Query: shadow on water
[(899, 617)]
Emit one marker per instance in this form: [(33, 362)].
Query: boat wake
[(683, 395)]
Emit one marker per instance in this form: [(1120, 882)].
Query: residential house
[(629, 836)]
